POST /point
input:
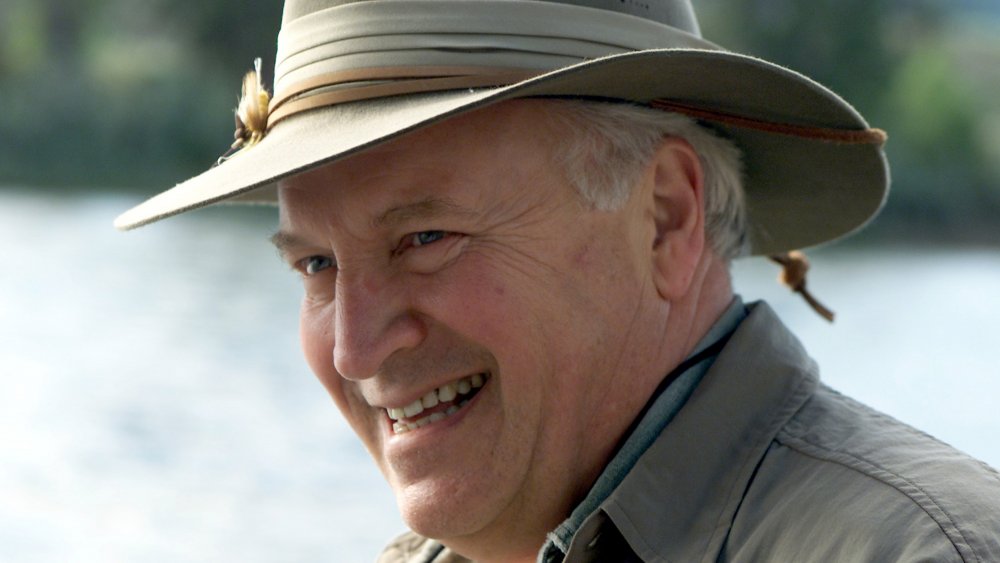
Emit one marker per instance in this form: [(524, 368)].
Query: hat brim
[(800, 191)]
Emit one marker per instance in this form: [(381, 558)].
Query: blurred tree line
[(112, 94), (926, 71)]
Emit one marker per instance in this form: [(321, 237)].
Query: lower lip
[(434, 428)]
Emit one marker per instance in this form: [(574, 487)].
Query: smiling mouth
[(437, 404)]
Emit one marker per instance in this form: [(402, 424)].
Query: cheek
[(316, 335), (479, 306), (508, 312)]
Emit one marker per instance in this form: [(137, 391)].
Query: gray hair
[(613, 141)]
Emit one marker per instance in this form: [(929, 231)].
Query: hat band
[(869, 136), (364, 84)]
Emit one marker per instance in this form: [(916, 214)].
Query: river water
[(154, 406)]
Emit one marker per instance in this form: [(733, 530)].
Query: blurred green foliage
[(926, 71), (111, 94), (105, 93)]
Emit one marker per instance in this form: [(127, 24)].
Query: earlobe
[(677, 181)]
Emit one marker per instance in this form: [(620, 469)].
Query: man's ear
[(677, 179)]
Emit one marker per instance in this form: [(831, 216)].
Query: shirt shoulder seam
[(902, 485)]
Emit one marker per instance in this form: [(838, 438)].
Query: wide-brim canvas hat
[(351, 74)]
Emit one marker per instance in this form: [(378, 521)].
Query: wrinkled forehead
[(466, 150)]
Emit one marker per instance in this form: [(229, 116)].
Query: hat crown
[(362, 44), (676, 13)]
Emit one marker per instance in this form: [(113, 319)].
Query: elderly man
[(514, 222)]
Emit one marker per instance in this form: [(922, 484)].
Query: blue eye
[(315, 264), (427, 237)]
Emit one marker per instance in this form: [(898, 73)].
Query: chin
[(442, 509)]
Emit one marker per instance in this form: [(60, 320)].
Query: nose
[(373, 319)]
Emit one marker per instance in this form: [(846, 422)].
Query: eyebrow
[(284, 241), (429, 207)]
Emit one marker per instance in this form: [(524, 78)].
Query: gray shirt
[(764, 463)]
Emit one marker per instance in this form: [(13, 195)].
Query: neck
[(691, 318)]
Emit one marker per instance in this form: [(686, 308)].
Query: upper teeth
[(443, 394)]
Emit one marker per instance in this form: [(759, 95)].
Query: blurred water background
[(153, 402)]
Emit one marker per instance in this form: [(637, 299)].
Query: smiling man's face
[(472, 318)]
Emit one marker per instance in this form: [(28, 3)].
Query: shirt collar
[(678, 500)]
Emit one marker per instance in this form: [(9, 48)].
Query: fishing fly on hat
[(351, 74)]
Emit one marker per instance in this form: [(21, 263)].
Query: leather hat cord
[(794, 266)]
